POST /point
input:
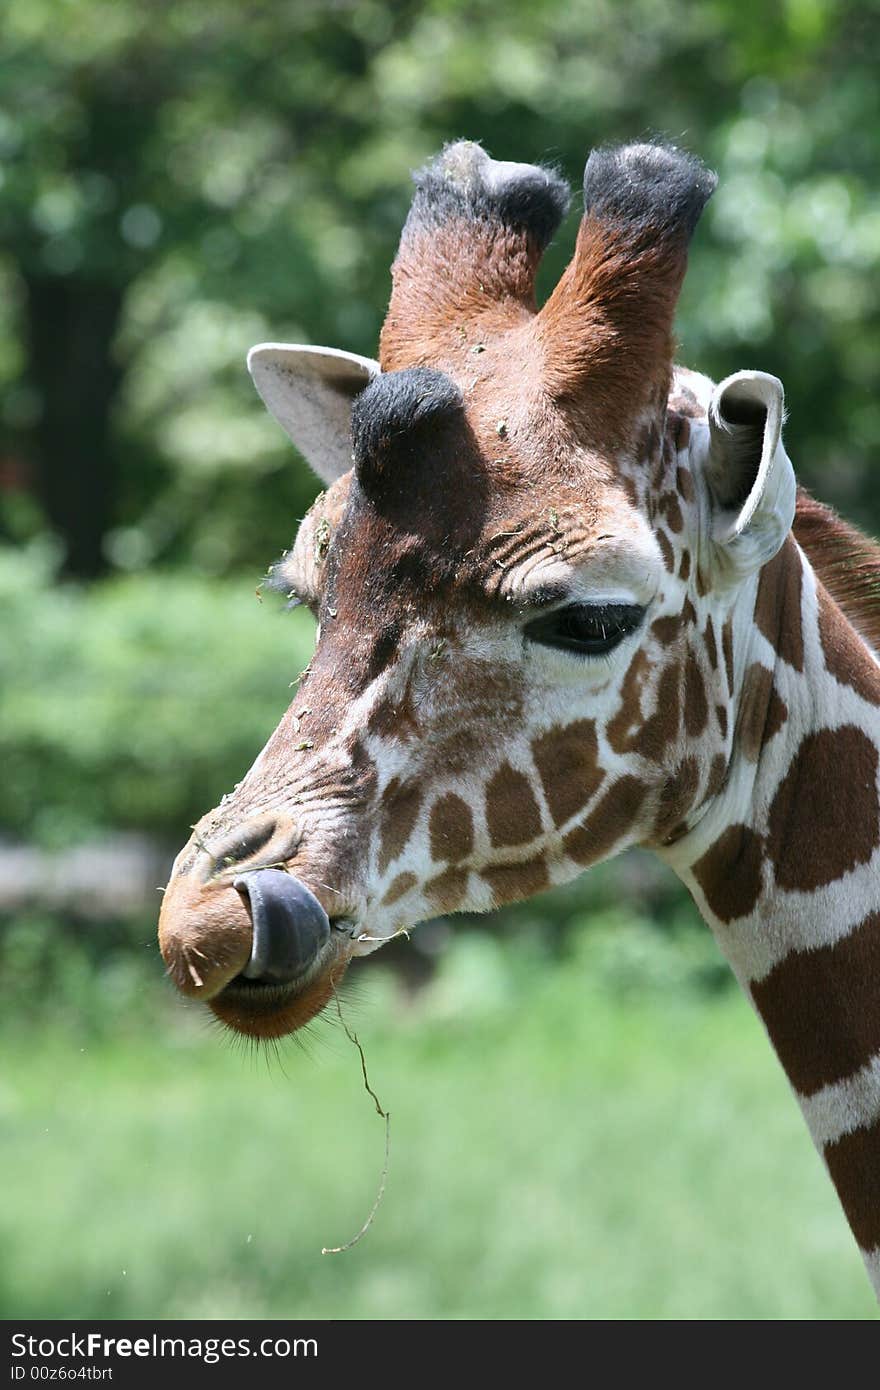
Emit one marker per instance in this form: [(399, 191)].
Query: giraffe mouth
[(262, 992), (256, 994), (266, 1009), (290, 927), (296, 958)]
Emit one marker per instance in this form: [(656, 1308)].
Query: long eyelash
[(612, 624), (275, 578), (276, 583)]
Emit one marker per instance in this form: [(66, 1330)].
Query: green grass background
[(597, 1135)]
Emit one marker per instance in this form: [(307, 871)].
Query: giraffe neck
[(785, 866)]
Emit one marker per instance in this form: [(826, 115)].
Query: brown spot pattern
[(614, 816), (820, 1008), (696, 705), (623, 726), (846, 561), (632, 492), (451, 829), (721, 716), (511, 881), (628, 732), (671, 508), (778, 605), (447, 890), (394, 720), (846, 657), (647, 442), (729, 873), (711, 645), (666, 629), (677, 797), (681, 432), (761, 711), (727, 648), (854, 1162), (825, 818), (658, 732), (665, 549), (399, 811), (684, 565), (684, 480), (398, 886), (777, 714), (567, 760), (512, 814), (717, 775)]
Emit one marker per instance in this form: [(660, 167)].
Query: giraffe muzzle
[(290, 927)]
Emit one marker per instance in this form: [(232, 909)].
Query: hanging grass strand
[(386, 1116)]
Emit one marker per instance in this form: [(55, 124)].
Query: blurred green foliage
[(136, 703), (568, 1140)]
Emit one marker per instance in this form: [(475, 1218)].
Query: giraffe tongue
[(290, 925)]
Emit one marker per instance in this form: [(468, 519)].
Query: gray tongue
[(290, 925)]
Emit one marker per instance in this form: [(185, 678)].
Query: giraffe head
[(526, 586)]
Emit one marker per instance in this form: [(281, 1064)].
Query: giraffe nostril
[(242, 844)]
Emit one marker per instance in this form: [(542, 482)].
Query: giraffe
[(569, 600)]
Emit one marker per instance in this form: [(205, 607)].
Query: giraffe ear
[(750, 477), (310, 391)]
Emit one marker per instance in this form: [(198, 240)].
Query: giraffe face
[(499, 696), (524, 589)]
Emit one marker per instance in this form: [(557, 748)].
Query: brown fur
[(666, 549), (400, 808), (451, 829), (696, 705), (846, 656), (606, 328), (853, 1162), (730, 873), (752, 716), (820, 1008), (677, 796), (511, 881), (778, 605), (846, 561), (567, 760), (454, 286), (271, 1021), (400, 886), (512, 815), (832, 782), (608, 822), (446, 890), (666, 629)]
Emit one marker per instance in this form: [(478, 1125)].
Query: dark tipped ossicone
[(290, 926), (464, 181), (468, 254), (390, 418), (653, 186)]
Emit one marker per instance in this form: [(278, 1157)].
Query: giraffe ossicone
[(569, 600)]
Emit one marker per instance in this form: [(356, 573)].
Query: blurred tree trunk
[(71, 327)]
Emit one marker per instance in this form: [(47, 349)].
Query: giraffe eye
[(591, 629)]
